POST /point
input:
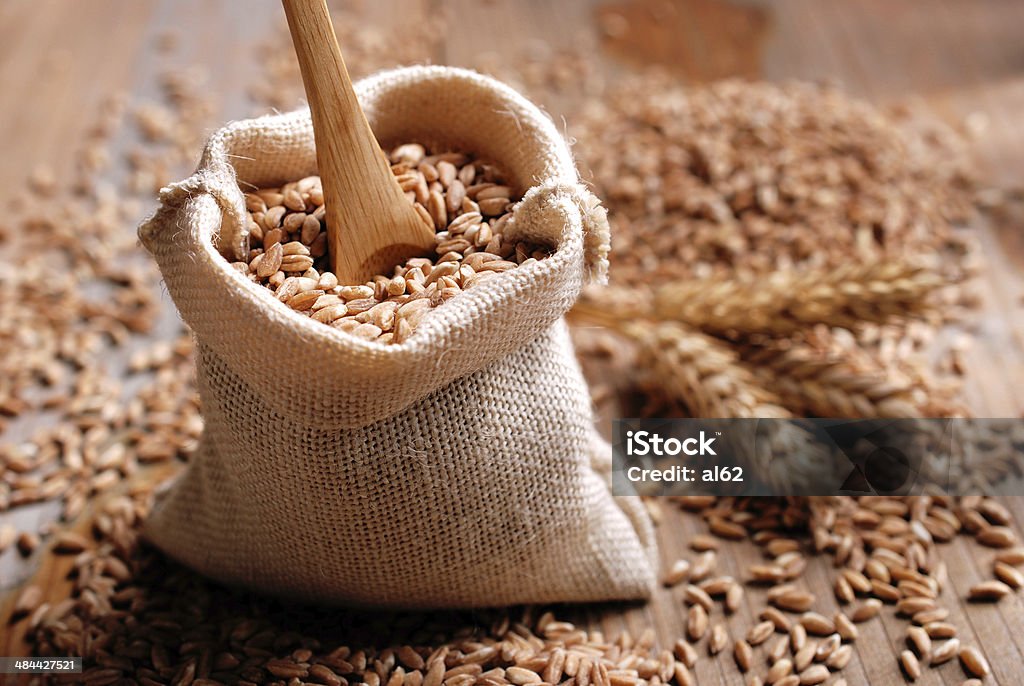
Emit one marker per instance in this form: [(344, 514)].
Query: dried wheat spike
[(703, 372), (706, 375), (828, 384), (785, 302)]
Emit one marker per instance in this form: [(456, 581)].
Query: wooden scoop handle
[(371, 226)]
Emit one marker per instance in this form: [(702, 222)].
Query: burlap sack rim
[(556, 201)]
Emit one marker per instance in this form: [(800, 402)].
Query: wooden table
[(58, 58)]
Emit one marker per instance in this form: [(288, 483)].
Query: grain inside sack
[(465, 201), (458, 466)]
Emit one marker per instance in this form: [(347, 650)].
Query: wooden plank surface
[(961, 57)]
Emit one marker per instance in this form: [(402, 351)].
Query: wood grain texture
[(370, 224), (53, 573), (958, 56)]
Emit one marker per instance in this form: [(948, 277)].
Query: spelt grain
[(27, 601), (779, 669), (8, 535), (840, 658), (719, 639), (911, 667), (974, 662), (997, 537), (694, 595), (930, 616), (679, 572), (717, 586), (779, 620), (815, 674), (696, 622), (702, 543), (1010, 576), (940, 630), (703, 566), (734, 598), (685, 653), (845, 627), (744, 655), (27, 542), (805, 656), (920, 641), (778, 649), (827, 647), (945, 652), (1013, 557), (795, 601), (797, 637), (988, 591)]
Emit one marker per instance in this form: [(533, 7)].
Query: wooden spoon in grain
[(371, 226)]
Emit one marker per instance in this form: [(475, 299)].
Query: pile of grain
[(465, 201), (96, 379), (740, 178), (134, 614), (787, 222)]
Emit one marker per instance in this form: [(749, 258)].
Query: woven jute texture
[(459, 468)]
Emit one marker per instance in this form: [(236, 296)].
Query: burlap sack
[(459, 468)]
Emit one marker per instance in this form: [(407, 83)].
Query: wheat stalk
[(829, 383), (785, 302), (706, 376), (702, 372), (806, 378)]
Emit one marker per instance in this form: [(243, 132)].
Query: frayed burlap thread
[(459, 468)]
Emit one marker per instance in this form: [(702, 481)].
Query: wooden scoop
[(371, 226)]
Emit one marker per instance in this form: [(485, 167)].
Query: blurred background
[(106, 101)]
